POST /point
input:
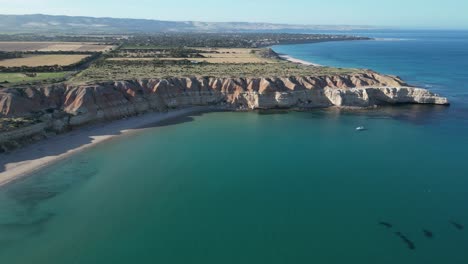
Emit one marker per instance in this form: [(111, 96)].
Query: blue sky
[(395, 13)]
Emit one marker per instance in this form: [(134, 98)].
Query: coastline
[(25, 161), (298, 61)]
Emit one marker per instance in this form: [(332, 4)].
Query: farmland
[(43, 60), (7, 79), (212, 55), (27, 63), (53, 46), (143, 56)]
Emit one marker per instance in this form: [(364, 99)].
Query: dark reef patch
[(407, 241), (457, 225), (428, 233), (386, 224)]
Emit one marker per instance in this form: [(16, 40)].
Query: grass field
[(127, 70), (18, 78), (215, 60), (42, 60), (53, 46), (218, 62), (216, 55)]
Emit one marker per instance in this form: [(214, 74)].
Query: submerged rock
[(405, 239), (387, 225), (457, 225), (428, 233)]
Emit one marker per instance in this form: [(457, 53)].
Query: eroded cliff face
[(125, 98), (61, 106)]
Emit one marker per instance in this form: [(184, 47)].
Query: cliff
[(64, 105)]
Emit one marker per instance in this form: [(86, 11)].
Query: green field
[(127, 70), (7, 79), (182, 62)]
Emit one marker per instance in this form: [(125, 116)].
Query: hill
[(80, 25)]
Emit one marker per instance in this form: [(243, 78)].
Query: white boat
[(361, 128)]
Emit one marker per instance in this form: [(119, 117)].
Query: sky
[(395, 13)]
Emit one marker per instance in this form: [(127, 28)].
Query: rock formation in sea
[(406, 240), (386, 224), (457, 225), (428, 233)]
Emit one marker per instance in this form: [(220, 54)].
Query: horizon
[(416, 15), (359, 26)]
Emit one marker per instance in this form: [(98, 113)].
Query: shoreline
[(298, 61), (32, 158), (27, 160)]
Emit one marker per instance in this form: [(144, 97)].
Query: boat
[(361, 128)]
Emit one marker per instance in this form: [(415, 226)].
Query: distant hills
[(73, 24)]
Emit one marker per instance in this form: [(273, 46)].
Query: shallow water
[(299, 187)]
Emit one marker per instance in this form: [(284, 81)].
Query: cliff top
[(143, 56), (131, 70), (152, 62)]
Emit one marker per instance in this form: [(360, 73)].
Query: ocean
[(269, 187)]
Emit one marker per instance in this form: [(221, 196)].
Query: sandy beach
[(36, 156), (294, 60)]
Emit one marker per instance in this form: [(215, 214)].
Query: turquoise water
[(286, 187)]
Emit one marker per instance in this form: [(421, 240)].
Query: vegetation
[(267, 53), (126, 70), (10, 79), (160, 55), (10, 55), (12, 42), (153, 52), (7, 124), (61, 63), (210, 55), (231, 40)]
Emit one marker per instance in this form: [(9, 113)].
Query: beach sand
[(294, 60), (36, 156)]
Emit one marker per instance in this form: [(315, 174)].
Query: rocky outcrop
[(70, 105), (123, 98)]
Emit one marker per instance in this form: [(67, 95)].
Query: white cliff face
[(355, 97), (407, 95), (365, 97)]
